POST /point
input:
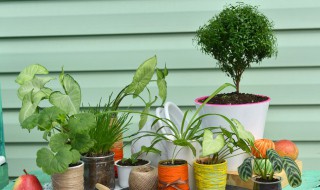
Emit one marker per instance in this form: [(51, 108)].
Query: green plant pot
[(210, 176), (99, 170)]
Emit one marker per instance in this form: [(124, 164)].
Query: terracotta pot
[(252, 116), (258, 185), (210, 176), (72, 179), (172, 177), (143, 178), (99, 170)]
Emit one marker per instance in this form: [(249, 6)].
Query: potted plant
[(184, 137), (237, 37), (211, 170), (142, 77), (62, 124), (99, 160), (125, 165), (267, 162)]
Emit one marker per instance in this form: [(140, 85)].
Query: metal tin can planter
[(124, 172), (143, 178), (173, 176), (267, 185), (72, 179), (210, 176), (99, 170)]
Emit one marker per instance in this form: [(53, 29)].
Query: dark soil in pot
[(235, 98), (128, 162), (262, 184), (175, 162)]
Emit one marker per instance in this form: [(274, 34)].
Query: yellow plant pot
[(210, 177)]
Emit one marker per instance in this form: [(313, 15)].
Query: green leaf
[(245, 169), (241, 132), (81, 142), (49, 116), (82, 122), (69, 102), (28, 107), (292, 171), (262, 164), (142, 77), (35, 85), (144, 116), (162, 87), (185, 143), (54, 163), (212, 145), (150, 149), (28, 73), (275, 160), (75, 156), (31, 122), (59, 141)]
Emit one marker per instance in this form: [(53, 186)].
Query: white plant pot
[(186, 154), (252, 116), (124, 172)]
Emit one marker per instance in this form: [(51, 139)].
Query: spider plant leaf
[(292, 171), (275, 159), (29, 72), (211, 145), (142, 76), (71, 100), (144, 116), (245, 169)]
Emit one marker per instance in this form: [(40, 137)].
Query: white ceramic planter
[(252, 116), (123, 174)]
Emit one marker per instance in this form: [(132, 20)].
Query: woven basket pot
[(210, 177), (143, 178), (99, 170), (173, 177), (72, 179)]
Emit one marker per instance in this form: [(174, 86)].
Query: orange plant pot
[(172, 177), (118, 153)]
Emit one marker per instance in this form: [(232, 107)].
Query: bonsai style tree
[(237, 37)]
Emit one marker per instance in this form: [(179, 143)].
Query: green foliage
[(192, 131), (141, 79), (134, 157), (62, 125), (237, 37), (223, 143), (108, 130), (278, 163)]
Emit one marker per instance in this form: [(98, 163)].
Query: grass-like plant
[(237, 37), (108, 129)]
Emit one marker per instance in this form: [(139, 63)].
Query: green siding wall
[(101, 43)]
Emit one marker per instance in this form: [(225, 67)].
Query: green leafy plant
[(237, 37), (141, 79), (218, 146), (62, 124), (278, 163), (188, 132), (135, 156), (108, 129)]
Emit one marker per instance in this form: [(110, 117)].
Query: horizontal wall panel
[(283, 122), (282, 85), (296, 49), (54, 18)]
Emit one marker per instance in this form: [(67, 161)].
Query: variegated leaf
[(245, 169), (292, 171), (275, 160)]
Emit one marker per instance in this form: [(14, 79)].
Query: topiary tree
[(237, 37)]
